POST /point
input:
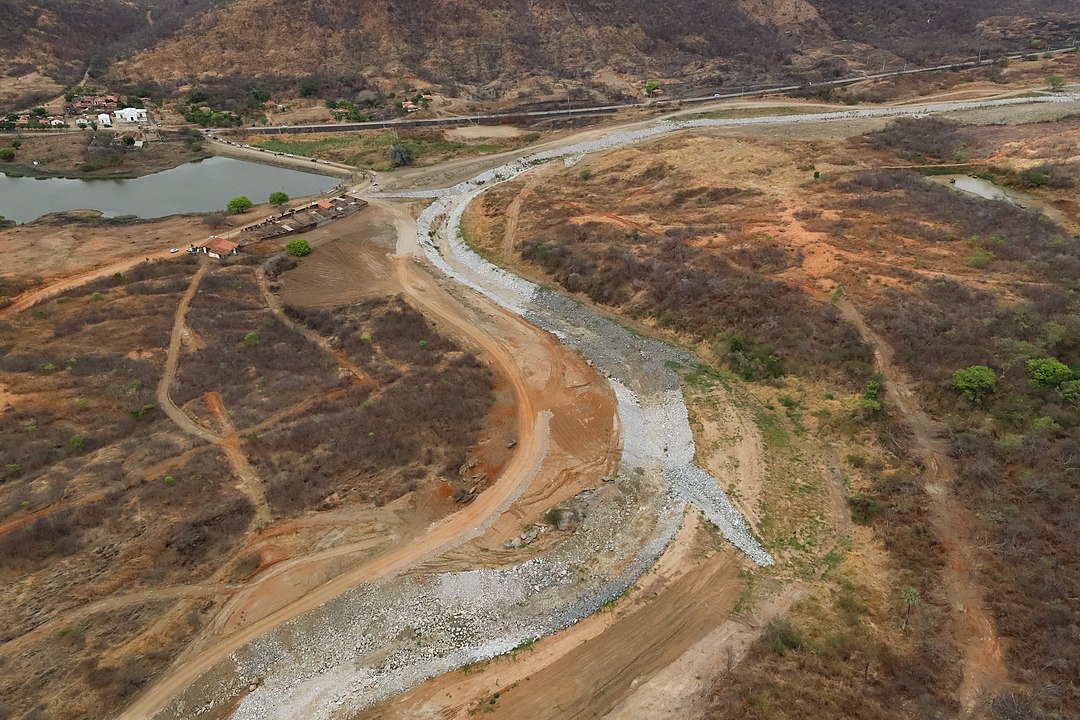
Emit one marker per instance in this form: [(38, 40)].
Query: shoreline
[(14, 170)]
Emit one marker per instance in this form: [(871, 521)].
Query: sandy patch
[(349, 263), (471, 132)]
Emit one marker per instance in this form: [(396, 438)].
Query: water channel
[(194, 187)]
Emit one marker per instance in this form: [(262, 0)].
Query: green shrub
[(7, 154), (400, 155), (1048, 372), (975, 382), (864, 508), (251, 339), (585, 174), (298, 247), (143, 410), (1009, 443), (1070, 391)]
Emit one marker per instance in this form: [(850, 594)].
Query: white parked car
[(174, 250)]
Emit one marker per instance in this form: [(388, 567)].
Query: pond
[(194, 187), (990, 191), (975, 186)]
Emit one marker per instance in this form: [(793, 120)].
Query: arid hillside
[(491, 50), (863, 300)]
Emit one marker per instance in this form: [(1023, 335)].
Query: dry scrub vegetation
[(732, 244), (86, 515), (374, 445), (119, 532)]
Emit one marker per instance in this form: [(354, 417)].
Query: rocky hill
[(489, 49)]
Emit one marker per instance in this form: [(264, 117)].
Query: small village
[(96, 112)]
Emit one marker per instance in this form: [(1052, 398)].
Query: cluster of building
[(307, 217), (126, 115), (294, 220), (410, 106), (28, 120), (83, 104), (104, 119)]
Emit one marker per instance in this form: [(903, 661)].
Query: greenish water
[(203, 186)]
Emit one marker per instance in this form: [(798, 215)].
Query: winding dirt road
[(455, 529), (28, 299), (172, 362)]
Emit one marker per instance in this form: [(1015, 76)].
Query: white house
[(103, 120), (131, 115)]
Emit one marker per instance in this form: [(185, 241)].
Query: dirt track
[(984, 665), (172, 362), (532, 391)]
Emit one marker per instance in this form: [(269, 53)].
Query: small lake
[(974, 185), (990, 191), (194, 187)]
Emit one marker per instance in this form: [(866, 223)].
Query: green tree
[(1048, 372), (910, 597), (251, 339), (1070, 391), (128, 140), (239, 205), (975, 382), (651, 87), (39, 112), (278, 198), (298, 247), (1055, 82), (7, 154), (400, 155), (77, 442)]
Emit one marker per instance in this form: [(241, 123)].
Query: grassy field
[(370, 150)]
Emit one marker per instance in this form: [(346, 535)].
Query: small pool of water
[(990, 191), (974, 185), (203, 186)]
